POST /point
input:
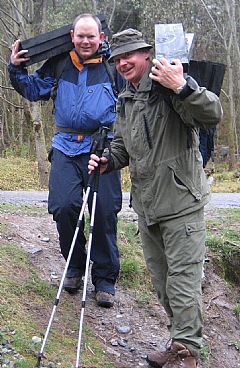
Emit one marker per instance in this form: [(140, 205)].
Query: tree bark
[(232, 117), (41, 152)]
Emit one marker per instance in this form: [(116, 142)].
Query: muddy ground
[(145, 326)]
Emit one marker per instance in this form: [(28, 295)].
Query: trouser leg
[(68, 178), (183, 244), (185, 249), (66, 226), (153, 249), (65, 199), (104, 254)]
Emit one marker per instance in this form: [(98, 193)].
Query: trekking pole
[(102, 135), (94, 182), (40, 355)]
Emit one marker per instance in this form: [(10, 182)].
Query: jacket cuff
[(110, 166), (13, 67), (188, 89)]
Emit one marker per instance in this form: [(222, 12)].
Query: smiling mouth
[(127, 71)]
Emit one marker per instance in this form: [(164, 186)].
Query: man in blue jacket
[(84, 101)]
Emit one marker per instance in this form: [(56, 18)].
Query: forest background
[(26, 128)]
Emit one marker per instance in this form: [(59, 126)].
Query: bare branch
[(94, 5), (225, 94), (17, 9), (8, 15), (3, 61), (7, 28), (230, 8), (18, 14), (123, 25), (3, 43), (6, 87), (112, 13), (214, 23), (10, 103)]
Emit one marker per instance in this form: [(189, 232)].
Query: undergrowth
[(19, 173), (25, 306)]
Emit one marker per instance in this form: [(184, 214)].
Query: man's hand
[(95, 161), (16, 55), (168, 75)]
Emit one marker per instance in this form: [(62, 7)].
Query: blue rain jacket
[(84, 100)]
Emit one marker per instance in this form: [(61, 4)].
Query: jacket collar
[(79, 63), (146, 82)]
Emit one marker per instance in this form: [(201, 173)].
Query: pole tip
[(39, 357)]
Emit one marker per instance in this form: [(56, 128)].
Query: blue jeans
[(67, 182)]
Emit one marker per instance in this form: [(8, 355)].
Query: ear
[(102, 35), (72, 34)]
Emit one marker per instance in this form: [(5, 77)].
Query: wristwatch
[(179, 89), (187, 88)]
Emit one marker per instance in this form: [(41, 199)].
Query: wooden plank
[(208, 74), (50, 53), (48, 36)]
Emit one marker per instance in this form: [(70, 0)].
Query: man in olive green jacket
[(156, 134)]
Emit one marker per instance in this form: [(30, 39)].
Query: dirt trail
[(145, 327)]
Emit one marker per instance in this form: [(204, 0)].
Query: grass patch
[(25, 306), (17, 173), (223, 235), (133, 273), (205, 353), (143, 298), (223, 239), (225, 181), (22, 209), (226, 187), (126, 182), (236, 310)]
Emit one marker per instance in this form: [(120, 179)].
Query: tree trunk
[(232, 117), (41, 152)]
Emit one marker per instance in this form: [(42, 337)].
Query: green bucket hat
[(126, 41)]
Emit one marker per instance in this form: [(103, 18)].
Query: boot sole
[(71, 290), (154, 364), (105, 304)]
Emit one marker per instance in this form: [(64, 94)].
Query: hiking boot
[(72, 284), (104, 299), (157, 359), (174, 357), (180, 357)]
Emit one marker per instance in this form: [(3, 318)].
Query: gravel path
[(218, 200)]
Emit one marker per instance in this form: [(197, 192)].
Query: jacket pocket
[(187, 171), (147, 132), (99, 106), (182, 182), (186, 245), (178, 185), (195, 234)]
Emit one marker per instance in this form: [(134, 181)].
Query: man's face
[(132, 65), (86, 37)]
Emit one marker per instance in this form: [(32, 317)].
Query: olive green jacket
[(159, 142)]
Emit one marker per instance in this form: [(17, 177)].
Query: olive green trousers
[(174, 252)]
